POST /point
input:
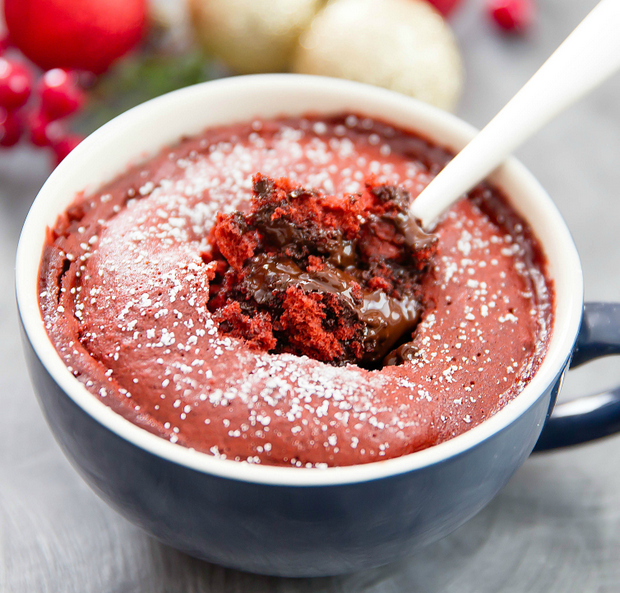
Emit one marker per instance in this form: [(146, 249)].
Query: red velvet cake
[(257, 293)]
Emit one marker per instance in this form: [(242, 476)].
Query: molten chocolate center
[(336, 279)]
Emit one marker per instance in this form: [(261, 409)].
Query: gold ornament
[(252, 35), (403, 45)]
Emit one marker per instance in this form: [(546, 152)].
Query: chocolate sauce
[(416, 239), (385, 319), (352, 264), (405, 352)]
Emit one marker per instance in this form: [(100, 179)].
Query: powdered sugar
[(146, 334)]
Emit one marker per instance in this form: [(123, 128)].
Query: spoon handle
[(587, 57)]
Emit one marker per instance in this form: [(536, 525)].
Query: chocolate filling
[(333, 278)]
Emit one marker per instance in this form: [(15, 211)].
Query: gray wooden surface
[(554, 528)]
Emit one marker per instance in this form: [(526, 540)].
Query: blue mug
[(299, 521)]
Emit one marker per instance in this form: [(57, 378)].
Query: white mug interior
[(144, 130)]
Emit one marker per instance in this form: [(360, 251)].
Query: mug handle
[(594, 416)]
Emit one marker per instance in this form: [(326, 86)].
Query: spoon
[(589, 55)]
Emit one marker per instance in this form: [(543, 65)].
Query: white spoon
[(587, 57)]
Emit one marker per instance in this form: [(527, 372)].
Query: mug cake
[(166, 298)]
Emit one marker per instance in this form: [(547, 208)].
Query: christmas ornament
[(75, 34), (251, 35), (5, 43), (403, 45)]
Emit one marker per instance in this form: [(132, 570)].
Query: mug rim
[(448, 130)]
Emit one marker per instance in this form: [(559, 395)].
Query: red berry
[(11, 127), (75, 34), (65, 145), (37, 124), (444, 6), (60, 93), (15, 84), (512, 15), (43, 131)]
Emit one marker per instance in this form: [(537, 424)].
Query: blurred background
[(68, 66)]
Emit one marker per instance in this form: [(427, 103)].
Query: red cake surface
[(212, 329)]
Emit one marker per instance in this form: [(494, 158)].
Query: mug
[(300, 521)]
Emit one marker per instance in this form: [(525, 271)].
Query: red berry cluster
[(37, 109)]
